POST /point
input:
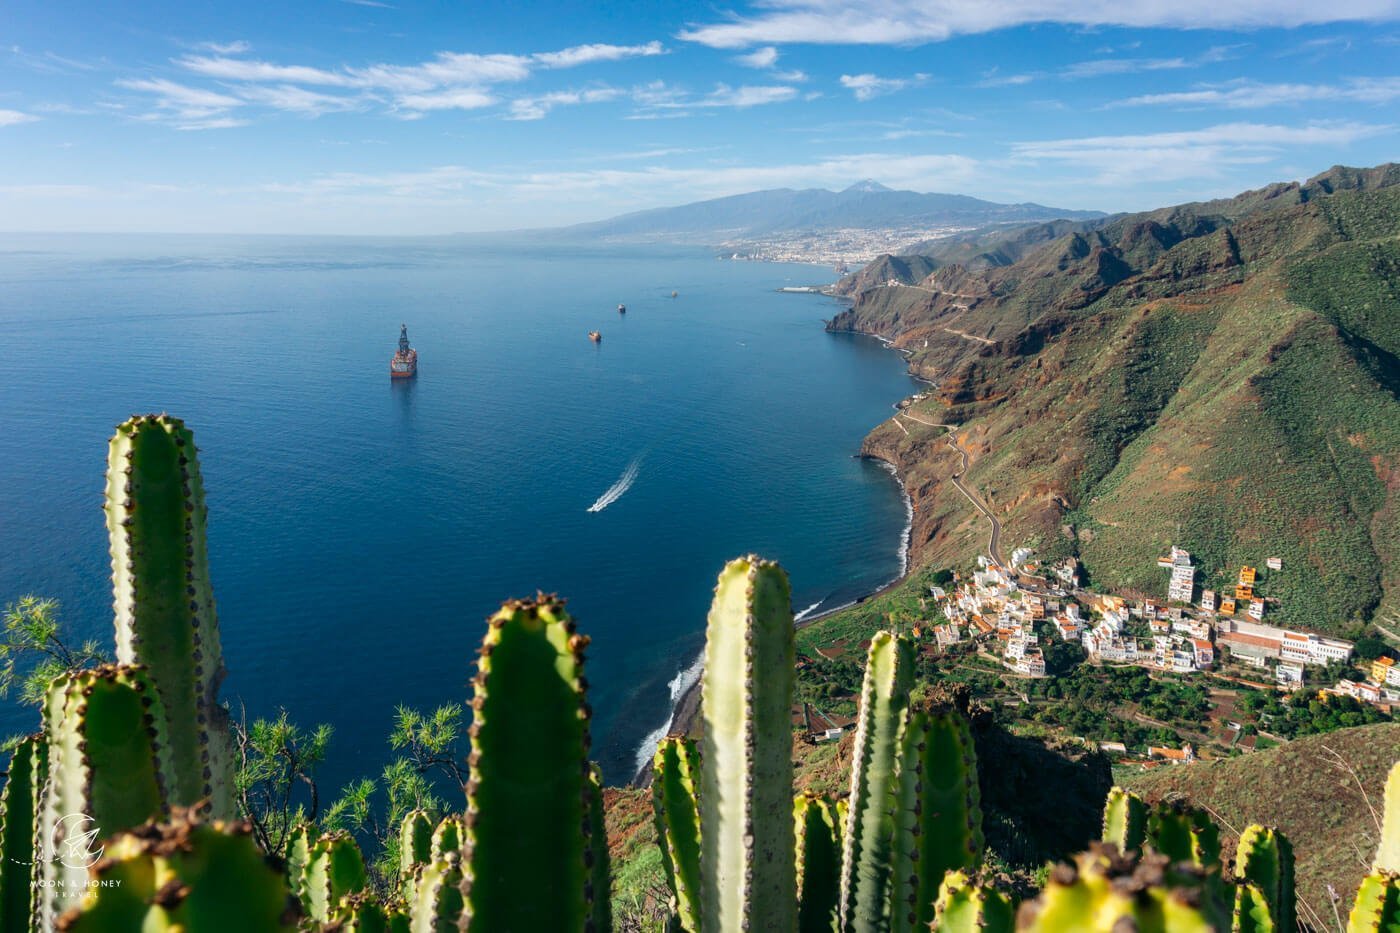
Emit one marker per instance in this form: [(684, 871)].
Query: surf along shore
[(685, 714)]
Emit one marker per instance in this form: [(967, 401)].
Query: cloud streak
[(1245, 95), (869, 86), (1201, 153), (913, 22), (15, 117)]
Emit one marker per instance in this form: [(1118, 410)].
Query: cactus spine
[(1264, 862), (1124, 820), (164, 603), (966, 907), (528, 791), (938, 813), (184, 875), (673, 793), (818, 863), (869, 835), (748, 880), (20, 812), (107, 770)]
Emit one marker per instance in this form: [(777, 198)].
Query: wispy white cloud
[(1245, 95), (15, 117), (237, 47), (597, 52), (448, 81), (450, 99), (1099, 67), (765, 57), (188, 108), (659, 96), (911, 22), (1199, 153), (868, 86), (535, 108)]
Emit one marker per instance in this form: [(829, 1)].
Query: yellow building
[(1246, 576), (1380, 669)]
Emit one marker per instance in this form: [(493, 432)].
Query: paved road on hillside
[(994, 543)]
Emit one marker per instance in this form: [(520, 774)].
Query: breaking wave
[(678, 685)]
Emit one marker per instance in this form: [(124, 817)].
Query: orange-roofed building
[(1247, 576)]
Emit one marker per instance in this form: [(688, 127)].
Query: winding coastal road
[(994, 542)]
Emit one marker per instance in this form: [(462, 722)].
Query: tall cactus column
[(164, 602), (526, 860), (870, 823), (748, 879)]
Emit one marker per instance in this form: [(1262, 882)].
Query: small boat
[(674, 294), (621, 309), (594, 336), (404, 363)]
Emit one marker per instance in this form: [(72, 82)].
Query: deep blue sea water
[(361, 531)]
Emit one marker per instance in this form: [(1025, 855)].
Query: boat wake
[(619, 488), (678, 685)]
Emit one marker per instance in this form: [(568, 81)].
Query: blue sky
[(407, 116)]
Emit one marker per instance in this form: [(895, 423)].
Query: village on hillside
[(1213, 675)]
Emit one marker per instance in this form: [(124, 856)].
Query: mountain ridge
[(1221, 375), (864, 204)]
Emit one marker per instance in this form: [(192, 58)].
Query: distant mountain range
[(866, 205)]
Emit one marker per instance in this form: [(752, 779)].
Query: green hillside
[(1311, 789), (1223, 376)]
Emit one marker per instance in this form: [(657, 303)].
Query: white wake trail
[(619, 488)]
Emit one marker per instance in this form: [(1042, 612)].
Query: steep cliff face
[(1224, 376)]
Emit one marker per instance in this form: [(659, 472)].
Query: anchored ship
[(621, 309), (404, 363), (594, 336)]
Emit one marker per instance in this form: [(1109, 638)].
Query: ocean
[(362, 530)]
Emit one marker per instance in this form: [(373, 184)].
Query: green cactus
[(674, 771), (1388, 851), (596, 857), (1105, 891), (868, 854), (1377, 906), (362, 913), (184, 875), (415, 847), (818, 863), (298, 857), (20, 812), (528, 789), (1124, 820), (108, 770), (1252, 911), (1184, 834), (438, 905), (966, 907), (165, 616), (748, 880), (938, 813), (334, 869), (447, 837), (1264, 861)]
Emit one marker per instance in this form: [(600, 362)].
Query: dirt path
[(994, 543)]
